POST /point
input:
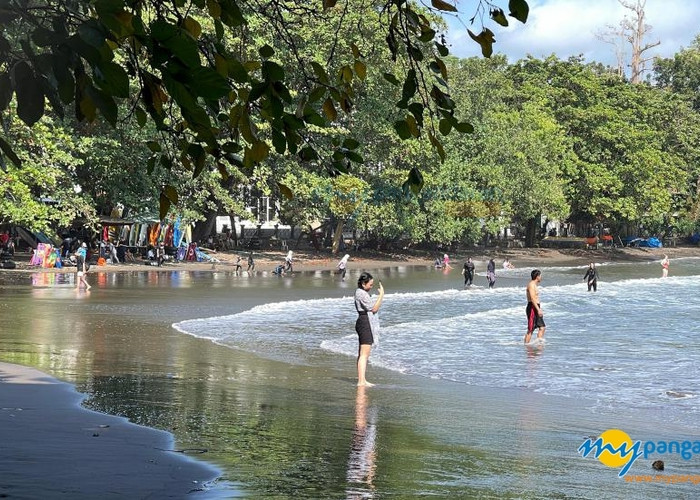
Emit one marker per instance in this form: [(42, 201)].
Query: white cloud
[(568, 28)]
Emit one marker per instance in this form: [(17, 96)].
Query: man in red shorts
[(533, 310)]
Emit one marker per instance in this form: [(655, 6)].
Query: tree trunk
[(204, 228), (531, 231), (337, 237)]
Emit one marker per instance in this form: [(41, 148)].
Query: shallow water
[(633, 342), (462, 407)]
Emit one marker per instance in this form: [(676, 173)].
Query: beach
[(283, 422)]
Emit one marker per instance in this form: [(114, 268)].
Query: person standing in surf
[(664, 266), (468, 272), (535, 317), (343, 265), (367, 322), (251, 263), (592, 277), (491, 273), (82, 267)]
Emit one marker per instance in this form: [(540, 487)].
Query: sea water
[(633, 344)]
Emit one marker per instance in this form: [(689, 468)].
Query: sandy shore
[(53, 448), (324, 261)]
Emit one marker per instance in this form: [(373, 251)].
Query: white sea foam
[(615, 346)]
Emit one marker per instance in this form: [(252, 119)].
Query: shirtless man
[(533, 310)]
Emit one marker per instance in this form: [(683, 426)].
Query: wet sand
[(280, 429), (53, 448)]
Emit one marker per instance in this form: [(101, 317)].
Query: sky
[(568, 28)]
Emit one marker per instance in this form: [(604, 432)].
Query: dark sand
[(53, 448)]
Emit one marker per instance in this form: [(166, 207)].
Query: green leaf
[(259, 151), (442, 49), (350, 143), (279, 142), (231, 15), (485, 39), (354, 157), (320, 73), (30, 95), (92, 33), (112, 78), (312, 117), (307, 153), (286, 192), (519, 9), (329, 109), (151, 164), (5, 91), (105, 103), (317, 93), (222, 171), (272, 71), (44, 37), (209, 84), (414, 182), (417, 110), (237, 71), (389, 77), (7, 149), (445, 126), (327, 4), (164, 206), (360, 70), (410, 85), (154, 146), (402, 128), (141, 117), (464, 128), (444, 6), (266, 52), (171, 193), (499, 16), (346, 74), (427, 34), (180, 44)]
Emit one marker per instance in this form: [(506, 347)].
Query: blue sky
[(568, 27)]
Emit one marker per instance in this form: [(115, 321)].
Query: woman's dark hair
[(363, 279)]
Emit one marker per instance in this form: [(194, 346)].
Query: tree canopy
[(225, 82)]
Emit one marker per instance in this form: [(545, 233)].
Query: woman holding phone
[(367, 322)]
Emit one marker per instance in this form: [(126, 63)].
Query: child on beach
[(251, 263), (81, 267), (342, 266), (288, 261)]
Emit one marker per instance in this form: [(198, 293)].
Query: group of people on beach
[(367, 324), (469, 267)]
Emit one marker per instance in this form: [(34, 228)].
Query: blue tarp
[(633, 241), (651, 243)]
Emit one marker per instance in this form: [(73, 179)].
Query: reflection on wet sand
[(362, 459)]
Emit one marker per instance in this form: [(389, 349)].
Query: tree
[(631, 30), (197, 71)]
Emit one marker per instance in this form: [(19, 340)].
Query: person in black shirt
[(468, 272), (592, 277)]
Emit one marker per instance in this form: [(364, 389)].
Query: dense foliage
[(202, 109)]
